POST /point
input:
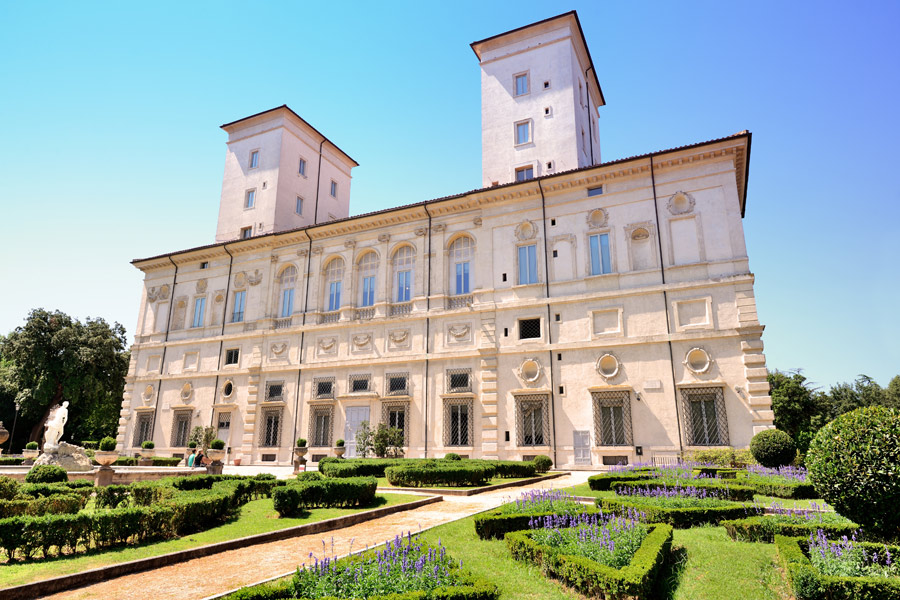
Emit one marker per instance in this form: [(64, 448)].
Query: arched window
[(461, 252), (404, 259), (334, 273), (368, 266), (286, 281)]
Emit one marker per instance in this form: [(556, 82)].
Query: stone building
[(593, 312)]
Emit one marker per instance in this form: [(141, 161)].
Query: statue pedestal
[(69, 457), (104, 477), (214, 468)]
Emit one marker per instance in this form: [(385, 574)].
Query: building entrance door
[(355, 416), (582, 444)]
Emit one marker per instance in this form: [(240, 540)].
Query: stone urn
[(148, 452), (216, 456), (4, 435), (300, 452), (30, 454), (105, 458), (339, 451)]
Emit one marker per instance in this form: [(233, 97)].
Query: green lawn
[(383, 483), (257, 516)]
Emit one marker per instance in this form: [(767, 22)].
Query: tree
[(800, 410), (54, 358), (364, 439), (861, 393), (203, 436), (387, 441)]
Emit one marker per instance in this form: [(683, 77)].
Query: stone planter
[(147, 452), (300, 461), (30, 455), (105, 458), (339, 451), (215, 455)]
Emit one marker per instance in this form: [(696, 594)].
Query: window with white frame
[(524, 173), (301, 170), (254, 159), (520, 81), (367, 267), (286, 280), (334, 274), (237, 309), (403, 262), (250, 198), (704, 419), (246, 233), (461, 252), (612, 418), (600, 256), (523, 132), (299, 206), (528, 264), (333, 190), (199, 311)]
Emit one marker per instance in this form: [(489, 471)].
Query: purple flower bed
[(676, 495), (607, 539), (790, 474), (543, 501), (844, 558)]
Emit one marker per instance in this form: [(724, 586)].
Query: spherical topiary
[(854, 465), (148, 445), (542, 463), (9, 487), (217, 444), (107, 444), (773, 448), (452, 456), (31, 446), (46, 474)]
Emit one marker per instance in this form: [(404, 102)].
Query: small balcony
[(330, 317), (459, 301), (364, 314), (284, 323), (403, 308)]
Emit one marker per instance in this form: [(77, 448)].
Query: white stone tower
[(280, 174), (539, 101)]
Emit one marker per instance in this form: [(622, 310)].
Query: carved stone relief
[(349, 243), (256, 278), (398, 338), (439, 227), (187, 390), (530, 370), (597, 218), (201, 286), (681, 203), (384, 237), (477, 221), (278, 349), (525, 230), (327, 345), (608, 366), (420, 231), (240, 281), (362, 341)]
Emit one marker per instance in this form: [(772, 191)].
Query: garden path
[(219, 573)]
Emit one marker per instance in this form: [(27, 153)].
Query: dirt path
[(222, 572)]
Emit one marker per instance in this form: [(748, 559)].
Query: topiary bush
[(46, 474), (452, 456), (217, 444), (542, 463), (773, 448), (9, 487), (854, 465), (148, 445), (107, 444), (31, 446)]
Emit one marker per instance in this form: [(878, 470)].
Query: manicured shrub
[(329, 459), (339, 443), (31, 446), (11, 460), (107, 444), (9, 487), (681, 518), (794, 490), (46, 474), (309, 476), (716, 472), (166, 461), (125, 461), (148, 445), (854, 464), (192, 444), (300, 495), (55, 504), (363, 467), (111, 496), (507, 468), (603, 482), (89, 444), (542, 463), (452, 456), (765, 528), (217, 444), (301, 442), (495, 524), (773, 448), (449, 474), (722, 490)]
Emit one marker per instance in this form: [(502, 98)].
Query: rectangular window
[(254, 159), (397, 419), (274, 391), (459, 380), (302, 169), (223, 429), (299, 208), (523, 132), (360, 383), (368, 291), (249, 198), (334, 296), (143, 429), (397, 384), (181, 428), (462, 278), (333, 188), (237, 313), (320, 426), (246, 233), (270, 428), (199, 309), (529, 329), (612, 418), (595, 191), (403, 286), (528, 264), (324, 387), (287, 302), (232, 356), (524, 173), (704, 412), (533, 420), (521, 84), (600, 262), (457, 425)]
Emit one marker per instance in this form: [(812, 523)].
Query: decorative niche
[(530, 370), (597, 218), (608, 366)]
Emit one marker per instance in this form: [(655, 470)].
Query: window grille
[(459, 380), (181, 428), (533, 420), (232, 356), (396, 414), (359, 383), (323, 387), (270, 427), (274, 391), (612, 418), (143, 429), (320, 423), (529, 329), (223, 422), (703, 416), (458, 422), (396, 384)]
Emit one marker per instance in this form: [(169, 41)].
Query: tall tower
[(539, 101), (280, 174)]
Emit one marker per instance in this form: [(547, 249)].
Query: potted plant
[(107, 454), (192, 445), (147, 449), (31, 451), (216, 451), (300, 449), (339, 448)]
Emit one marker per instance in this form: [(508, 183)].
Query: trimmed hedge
[(508, 468), (737, 493), (681, 518), (764, 529), (46, 474), (81, 488), (809, 584), (377, 467), (459, 474), (773, 448), (9, 488), (112, 496), (368, 467), (166, 461), (602, 482), (720, 472), (345, 492), (8, 461), (495, 524), (56, 504), (791, 490), (595, 580)]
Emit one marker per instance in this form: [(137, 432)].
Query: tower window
[(246, 233), (301, 170), (299, 209), (521, 82), (250, 198), (523, 132), (254, 159), (333, 188), (524, 173)]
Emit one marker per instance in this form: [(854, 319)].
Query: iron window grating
[(396, 384), (232, 356), (459, 380), (324, 387), (181, 433), (533, 428), (223, 420), (274, 391), (270, 427), (612, 427), (321, 422), (394, 407), (529, 329), (143, 429), (359, 383), (700, 427), (458, 428)]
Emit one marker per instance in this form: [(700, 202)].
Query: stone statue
[(54, 428)]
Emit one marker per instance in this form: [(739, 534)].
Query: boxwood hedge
[(602, 482), (681, 518), (768, 486), (376, 467), (452, 473), (593, 579), (303, 494), (728, 491), (495, 524), (53, 504), (764, 529)]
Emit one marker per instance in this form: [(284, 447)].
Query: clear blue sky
[(111, 148)]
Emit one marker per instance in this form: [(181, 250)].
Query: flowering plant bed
[(598, 555), (842, 570), (703, 488), (678, 511), (515, 516), (789, 522)]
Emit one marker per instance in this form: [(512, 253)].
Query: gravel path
[(216, 574)]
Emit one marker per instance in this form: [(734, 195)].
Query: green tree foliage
[(55, 358), (800, 410), (387, 441), (202, 436)]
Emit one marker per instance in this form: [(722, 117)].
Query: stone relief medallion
[(327, 344), (525, 231), (597, 218), (530, 370), (384, 237), (256, 278), (608, 366), (240, 280), (639, 234), (420, 231), (477, 221), (361, 341), (278, 349), (438, 228), (201, 286), (681, 203), (152, 295), (187, 390), (697, 361), (459, 331), (220, 297), (164, 291), (349, 243), (147, 394)]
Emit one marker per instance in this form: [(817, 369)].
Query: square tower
[(539, 101), (280, 174)]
